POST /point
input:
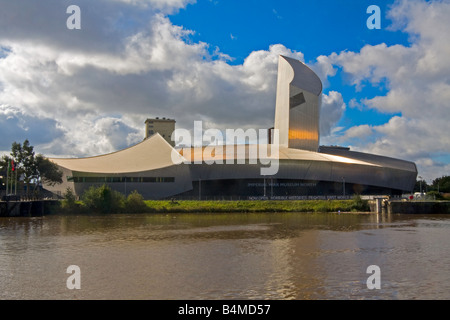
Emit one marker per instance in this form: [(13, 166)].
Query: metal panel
[(297, 105)]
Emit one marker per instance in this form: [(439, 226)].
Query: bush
[(103, 200), (135, 203), (69, 203), (434, 195), (360, 204), (69, 197)]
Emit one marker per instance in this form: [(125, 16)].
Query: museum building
[(158, 169)]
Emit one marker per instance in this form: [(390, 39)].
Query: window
[(121, 179)]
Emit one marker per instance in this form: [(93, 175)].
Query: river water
[(226, 256)]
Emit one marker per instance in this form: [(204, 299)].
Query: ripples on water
[(225, 256)]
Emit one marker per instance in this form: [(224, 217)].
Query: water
[(226, 256)]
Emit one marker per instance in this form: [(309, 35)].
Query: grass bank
[(187, 206), (245, 206), (105, 200)]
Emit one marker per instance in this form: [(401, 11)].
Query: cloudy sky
[(87, 92)]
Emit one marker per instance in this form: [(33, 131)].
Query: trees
[(441, 184), (47, 171), (29, 167), (420, 186), (438, 186)]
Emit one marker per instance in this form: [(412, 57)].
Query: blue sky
[(314, 28), (86, 92)]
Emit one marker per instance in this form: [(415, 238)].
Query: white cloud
[(166, 5), (333, 108), (418, 81), (152, 69)]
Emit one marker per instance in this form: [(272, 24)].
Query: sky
[(88, 91)]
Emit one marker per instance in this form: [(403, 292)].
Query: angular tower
[(297, 108)]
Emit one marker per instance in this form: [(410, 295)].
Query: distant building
[(165, 127)]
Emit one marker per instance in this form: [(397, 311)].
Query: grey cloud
[(104, 24), (332, 110), (417, 79), (18, 127)]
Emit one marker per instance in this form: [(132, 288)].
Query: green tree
[(441, 184), (29, 167), (421, 185), (135, 203), (103, 199), (23, 155), (46, 171), (69, 203)]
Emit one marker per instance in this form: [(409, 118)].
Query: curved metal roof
[(156, 153), (150, 154), (304, 77)]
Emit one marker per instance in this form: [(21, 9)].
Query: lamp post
[(343, 186), (420, 184), (271, 188), (7, 179), (264, 186)]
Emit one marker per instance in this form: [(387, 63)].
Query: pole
[(264, 186), (199, 189), (343, 186), (7, 177), (420, 184), (271, 188)]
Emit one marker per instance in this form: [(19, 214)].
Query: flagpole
[(7, 177)]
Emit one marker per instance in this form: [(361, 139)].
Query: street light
[(420, 184), (264, 186)]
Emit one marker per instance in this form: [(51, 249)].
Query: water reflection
[(225, 256)]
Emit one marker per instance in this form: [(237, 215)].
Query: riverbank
[(16, 209), (356, 205), (418, 207), (225, 206), (191, 206), (29, 208)]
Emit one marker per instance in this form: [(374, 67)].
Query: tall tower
[(298, 102), (165, 127)]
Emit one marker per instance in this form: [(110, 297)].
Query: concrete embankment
[(32, 208), (418, 207)]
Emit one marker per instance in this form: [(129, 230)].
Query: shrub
[(360, 204), (135, 203), (103, 199), (69, 197), (434, 195), (69, 203)]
